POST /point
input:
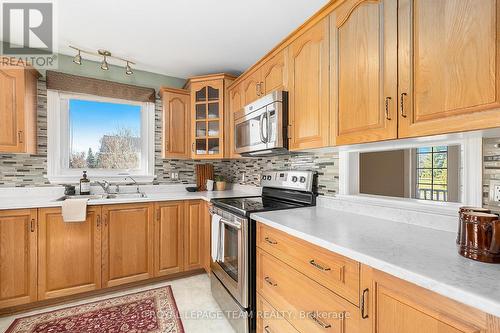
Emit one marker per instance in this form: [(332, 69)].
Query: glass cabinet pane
[(213, 110), (201, 95), (201, 111), (213, 94), (201, 147), (213, 146), (201, 129), (213, 128)]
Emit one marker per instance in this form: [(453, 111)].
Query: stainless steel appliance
[(261, 127), (233, 278)]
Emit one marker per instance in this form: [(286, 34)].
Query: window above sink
[(110, 138)]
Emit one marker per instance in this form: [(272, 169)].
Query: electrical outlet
[(174, 175), (495, 191)]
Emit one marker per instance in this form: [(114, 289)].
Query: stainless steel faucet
[(105, 186), (136, 184)]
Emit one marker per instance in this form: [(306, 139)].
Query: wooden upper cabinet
[(127, 243), (251, 88), (176, 123), (193, 235), (274, 73), (169, 224), (235, 105), (309, 88), (69, 254), (364, 70), (18, 105), (18, 253), (449, 72)]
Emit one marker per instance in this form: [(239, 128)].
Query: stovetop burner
[(248, 205)]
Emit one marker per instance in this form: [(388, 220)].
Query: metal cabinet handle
[(192, 147), (270, 282), (262, 92), (105, 220), (20, 136), (387, 114), (270, 241), (314, 317), (32, 225), (98, 221), (266, 329), (257, 88), (403, 114), (318, 266), (364, 315)]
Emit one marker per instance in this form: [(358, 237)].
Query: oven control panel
[(295, 180)]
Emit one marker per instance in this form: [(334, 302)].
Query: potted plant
[(220, 183)]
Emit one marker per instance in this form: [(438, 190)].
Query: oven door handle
[(263, 137), (231, 224)]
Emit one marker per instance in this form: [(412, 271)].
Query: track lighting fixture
[(128, 69), (105, 56)]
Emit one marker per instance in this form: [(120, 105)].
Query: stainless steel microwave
[(260, 128)]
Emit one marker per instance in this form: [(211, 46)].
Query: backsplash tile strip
[(23, 170)]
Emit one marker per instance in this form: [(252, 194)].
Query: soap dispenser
[(84, 184)]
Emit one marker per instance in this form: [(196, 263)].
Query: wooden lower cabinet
[(69, 254), (269, 320), (169, 241), (127, 243), (18, 252), (309, 306), (397, 306), (193, 235), (207, 236)]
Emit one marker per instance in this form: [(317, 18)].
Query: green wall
[(93, 69)]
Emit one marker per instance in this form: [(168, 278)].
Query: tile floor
[(198, 310)]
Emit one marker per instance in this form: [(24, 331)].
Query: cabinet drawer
[(269, 320), (335, 272), (309, 306)]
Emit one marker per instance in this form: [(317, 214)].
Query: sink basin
[(104, 196)]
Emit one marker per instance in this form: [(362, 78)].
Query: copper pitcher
[(479, 236)]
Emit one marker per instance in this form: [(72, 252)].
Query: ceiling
[(183, 37)]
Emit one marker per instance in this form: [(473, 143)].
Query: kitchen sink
[(104, 196)]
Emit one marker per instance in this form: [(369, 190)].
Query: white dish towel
[(216, 237), (74, 210)]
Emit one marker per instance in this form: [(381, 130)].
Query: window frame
[(58, 170)]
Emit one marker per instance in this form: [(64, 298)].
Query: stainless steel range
[(233, 266)]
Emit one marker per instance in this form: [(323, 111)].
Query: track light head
[(104, 64), (78, 58), (128, 69)]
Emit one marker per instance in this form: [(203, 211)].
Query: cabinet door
[(235, 105), (193, 236), (207, 236), (396, 306), (251, 87), (127, 244), (176, 115), (18, 252), (169, 238), (207, 129), (69, 254), (11, 110), (364, 70), (449, 73), (269, 320), (308, 81), (274, 73)]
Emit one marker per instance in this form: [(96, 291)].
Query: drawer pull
[(270, 241), (318, 266), (363, 314), (266, 329), (314, 317), (270, 282)]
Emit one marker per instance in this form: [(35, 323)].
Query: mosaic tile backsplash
[(22, 170)]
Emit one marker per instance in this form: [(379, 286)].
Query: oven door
[(232, 268), (251, 132)]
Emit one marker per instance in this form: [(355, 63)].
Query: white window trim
[(58, 173), (472, 145)]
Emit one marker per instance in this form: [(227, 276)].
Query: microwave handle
[(263, 137)]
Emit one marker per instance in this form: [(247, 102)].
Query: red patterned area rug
[(151, 311)]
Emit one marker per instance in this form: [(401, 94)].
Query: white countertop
[(423, 256), (47, 197)]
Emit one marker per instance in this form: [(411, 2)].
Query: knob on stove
[(294, 179), (302, 179)]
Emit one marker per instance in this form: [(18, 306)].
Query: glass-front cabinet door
[(207, 129)]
